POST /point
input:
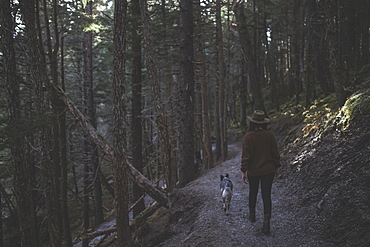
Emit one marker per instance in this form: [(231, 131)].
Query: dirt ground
[(200, 220), (321, 198)]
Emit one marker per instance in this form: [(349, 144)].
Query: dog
[(226, 187)]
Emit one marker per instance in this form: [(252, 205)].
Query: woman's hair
[(253, 126)]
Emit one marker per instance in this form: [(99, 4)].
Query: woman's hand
[(245, 178)]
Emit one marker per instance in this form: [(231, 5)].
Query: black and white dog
[(226, 187)]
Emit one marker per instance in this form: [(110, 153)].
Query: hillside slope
[(329, 171), (322, 197)]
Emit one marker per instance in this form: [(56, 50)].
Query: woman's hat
[(258, 117)]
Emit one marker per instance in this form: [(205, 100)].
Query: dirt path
[(204, 223)]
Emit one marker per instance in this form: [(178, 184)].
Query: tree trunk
[(221, 80), (64, 161), (137, 128), (186, 109), (22, 171), (86, 76), (243, 96), (98, 202), (52, 172), (248, 55), (59, 152), (119, 108), (320, 45), (336, 67), (165, 148), (202, 78), (271, 67), (39, 77), (296, 51)]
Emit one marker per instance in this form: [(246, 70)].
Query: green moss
[(356, 110)]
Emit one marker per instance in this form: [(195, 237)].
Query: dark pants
[(266, 185)]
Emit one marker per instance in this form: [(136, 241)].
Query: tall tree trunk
[(137, 128), (170, 142), (336, 67), (243, 96), (160, 113), (40, 78), (64, 160), (23, 172), (221, 80), (202, 78), (98, 202), (320, 45), (53, 170), (248, 55), (120, 168), (187, 169), (58, 151), (271, 69), (296, 51), (86, 77)]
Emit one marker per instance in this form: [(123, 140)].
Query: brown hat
[(258, 117)]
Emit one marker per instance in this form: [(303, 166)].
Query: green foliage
[(323, 116), (319, 115)]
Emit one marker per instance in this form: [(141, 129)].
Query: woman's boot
[(252, 214), (266, 224)]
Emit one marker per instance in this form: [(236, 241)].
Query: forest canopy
[(105, 102)]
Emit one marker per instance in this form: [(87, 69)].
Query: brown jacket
[(260, 154)]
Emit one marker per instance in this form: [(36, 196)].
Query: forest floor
[(199, 219), (321, 197)]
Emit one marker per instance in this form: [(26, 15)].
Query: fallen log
[(155, 192), (87, 237)]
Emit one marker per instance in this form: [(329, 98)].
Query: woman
[(260, 163)]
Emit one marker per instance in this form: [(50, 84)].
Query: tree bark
[(221, 85), (336, 67), (120, 124), (50, 171), (187, 169), (98, 201), (137, 128), (202, 78), (52, 168), (64, 162), (271, 64), (295, 53), (23, 172), (165, 148)]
